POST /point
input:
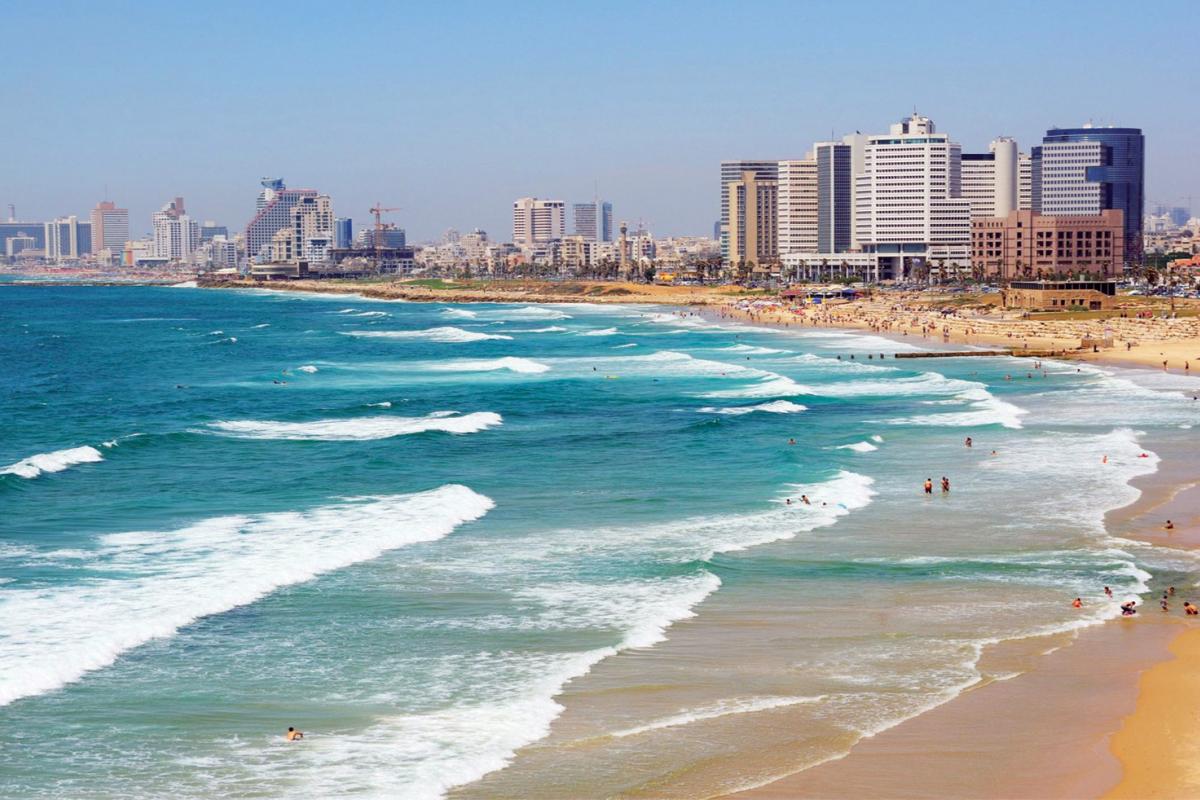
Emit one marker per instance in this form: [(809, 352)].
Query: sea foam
[(56, 635), (445, 334), (510, 363), (55, 461), (357, 429)]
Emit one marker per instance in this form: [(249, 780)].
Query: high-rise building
[(176, 235), (752, 235), (909, 205), (733, 171), (209, 230), (585, 221), (1088, 170), (110, 229), (537, 222), (835, 197), (343, 232), (15, 245), (33, 230), (1024, 182), (593, 221), (67, 238), (991, 180), (309, 236), (274, 211), (797, 225)]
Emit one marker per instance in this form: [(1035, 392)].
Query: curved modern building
[(1088, 170)]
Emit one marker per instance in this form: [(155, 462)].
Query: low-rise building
[(1060, 295), (1027, 245)]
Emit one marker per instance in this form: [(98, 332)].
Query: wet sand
[(1052, 732)]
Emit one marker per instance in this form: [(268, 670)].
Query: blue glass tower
[(1112, 176)]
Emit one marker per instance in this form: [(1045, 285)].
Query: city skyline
[(453, 145)]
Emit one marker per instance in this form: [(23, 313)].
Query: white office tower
[(909, 209), (1024, 182), (797, 205), (1004, 151), (538, 221)]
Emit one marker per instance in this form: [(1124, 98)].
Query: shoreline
[(1114, 660)]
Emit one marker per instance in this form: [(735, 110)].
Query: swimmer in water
[(791, 441), (929, 486), (1076, 603), (969, 443), (804, 499), (293, 734), (945, 484), (1170, 526), (1108, 591)]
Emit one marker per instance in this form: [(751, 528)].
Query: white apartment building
[(1024, 182), (909, 208), (797, 205), (176, 235), (538, 222), (1065, 187)]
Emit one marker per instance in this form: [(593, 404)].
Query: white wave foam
[(531, 312), (455, 746), (510, 363), (771, 385), (55, 636), (877, 438), (858, 447), (358, 429), (774, 407), (309, 368), (447, 335), (548, 329), (264, 325), (372, 314), (623, 346), (459, 313), (600, 332), (722, 708), (384, 404), (55, 461), (986, 409), (747, 349)]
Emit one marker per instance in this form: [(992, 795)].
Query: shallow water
[(404, 528)]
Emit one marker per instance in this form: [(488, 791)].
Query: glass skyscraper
[(1088, 170)]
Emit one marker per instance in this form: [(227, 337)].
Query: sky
[(451, 110)]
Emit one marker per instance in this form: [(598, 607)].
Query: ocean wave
[(55, 636), (985, 409), (600, 332), (510, 363), (473, 740), (748, 349), (529, 312), (448, 335), (459, 313), (309, 368), (722, 708), (769, 385), (858, 447), (774, 407), (55, 461), (357, 429), (548, 329)]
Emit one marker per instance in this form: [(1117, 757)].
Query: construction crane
[(378, 210)]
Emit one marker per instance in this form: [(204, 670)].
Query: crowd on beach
[(914, 314)]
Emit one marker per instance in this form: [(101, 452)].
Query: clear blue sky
[(451, 110)]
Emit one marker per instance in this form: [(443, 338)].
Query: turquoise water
[(404, 528)]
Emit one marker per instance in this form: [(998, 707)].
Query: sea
[(524, 551)]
